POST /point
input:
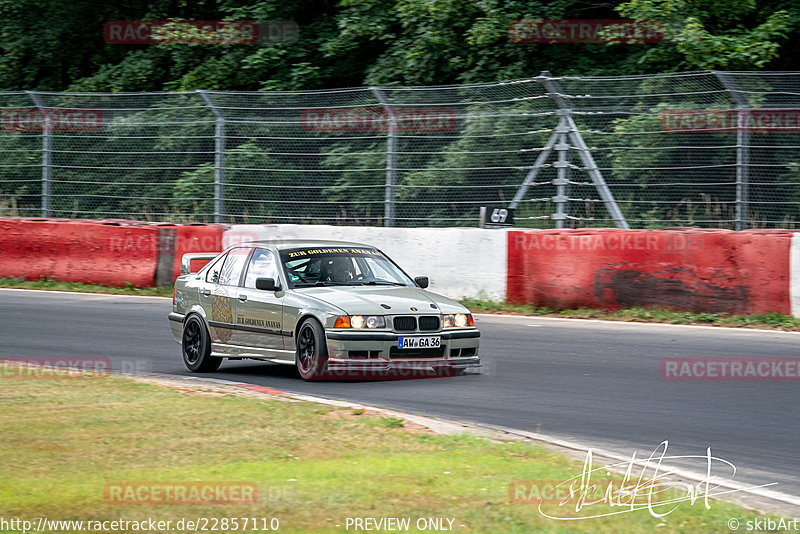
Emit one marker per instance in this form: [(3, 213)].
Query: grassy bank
[(53, 285), (66, 441), (646, 315)]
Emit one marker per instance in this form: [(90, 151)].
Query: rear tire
[(196, 347), (311, 356)]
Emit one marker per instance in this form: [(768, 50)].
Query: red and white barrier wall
[(108, 252), (685, 269), (697, 270)]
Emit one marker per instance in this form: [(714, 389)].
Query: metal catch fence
[(710, 149)]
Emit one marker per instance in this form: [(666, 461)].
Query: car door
[(222, 283), (259, 313)]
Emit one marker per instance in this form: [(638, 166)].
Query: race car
[(331, 308)]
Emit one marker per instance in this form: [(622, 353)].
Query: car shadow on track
[(244, 371)]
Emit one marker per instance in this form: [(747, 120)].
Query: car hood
[(367, 300)]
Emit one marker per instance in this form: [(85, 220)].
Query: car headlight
[(376, 321), (360, 321), (459, 320)]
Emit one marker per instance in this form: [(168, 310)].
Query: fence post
[(219, 158), (561, 182), (555, 92), (391, 159), (47, 153), (742, 151)]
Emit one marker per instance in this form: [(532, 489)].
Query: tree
[(733, 35)]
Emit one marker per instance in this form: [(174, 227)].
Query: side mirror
[(267, 284), (422, 281)]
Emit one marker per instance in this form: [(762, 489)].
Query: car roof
[(284, 244)]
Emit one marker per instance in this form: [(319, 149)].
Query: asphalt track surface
[(596, 383)]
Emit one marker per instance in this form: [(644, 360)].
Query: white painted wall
[(461, 262), (794, 275)]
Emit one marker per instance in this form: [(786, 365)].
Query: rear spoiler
[(186, 261)]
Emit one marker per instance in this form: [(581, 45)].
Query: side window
[(232, 268), (262, 265), (212, 275)]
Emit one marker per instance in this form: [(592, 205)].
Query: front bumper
[(365, 353)]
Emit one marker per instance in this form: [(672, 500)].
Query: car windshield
[(332, 266)]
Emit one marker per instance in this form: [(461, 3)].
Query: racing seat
[(339, 270)]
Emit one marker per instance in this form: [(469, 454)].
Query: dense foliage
[(55, 46)]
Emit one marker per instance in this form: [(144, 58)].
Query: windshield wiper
[(382, 283), (318, 284)]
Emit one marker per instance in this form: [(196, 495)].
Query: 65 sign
[(496, 217)]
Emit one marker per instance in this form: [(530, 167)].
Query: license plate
[(430, 342)]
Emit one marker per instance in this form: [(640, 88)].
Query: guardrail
[(754, 271), (106, 252)]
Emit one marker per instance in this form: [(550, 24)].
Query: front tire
[(197, 347), (311, 356)]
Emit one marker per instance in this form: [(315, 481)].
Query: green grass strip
[(639, 314), (66, 440)]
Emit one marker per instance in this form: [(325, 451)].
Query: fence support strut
[(565, 110), (531, 176), (566, 132)]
